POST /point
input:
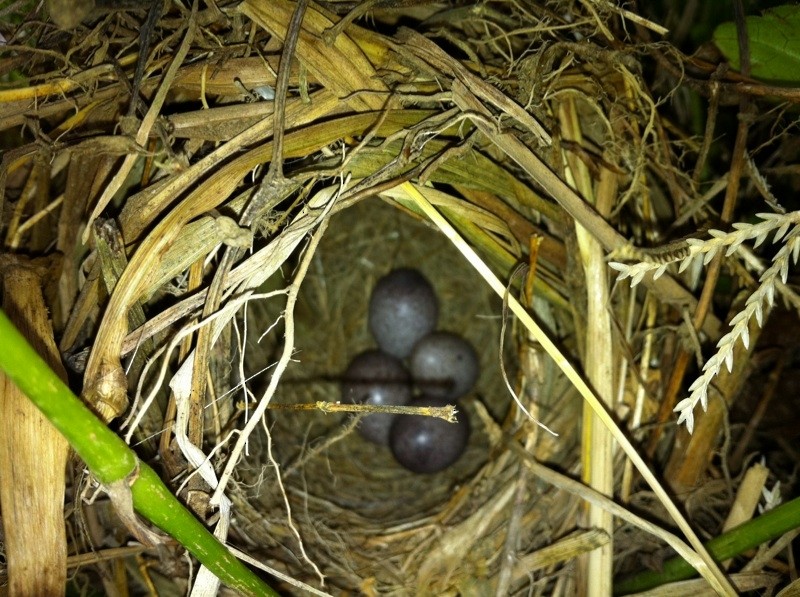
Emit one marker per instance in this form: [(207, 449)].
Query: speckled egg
[(428, 444), (374, 377), (402, 309), (444, 365)]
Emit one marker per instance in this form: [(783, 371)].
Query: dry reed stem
[(33, 454), (597, 443), (446, 413), (563, 550)]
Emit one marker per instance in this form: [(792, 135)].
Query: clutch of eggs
[(403, 312)]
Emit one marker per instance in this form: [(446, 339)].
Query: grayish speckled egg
[(428, 444), (374, 377), (444, 365), (402, 309)]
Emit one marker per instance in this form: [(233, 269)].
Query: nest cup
[(352, 503)]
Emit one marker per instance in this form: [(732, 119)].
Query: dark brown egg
[(374, 377), (402, 309), (444, 365), (428, 444)]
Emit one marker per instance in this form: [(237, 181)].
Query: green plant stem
[(746, 536), (111, 460)]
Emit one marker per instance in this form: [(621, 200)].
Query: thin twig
[(145, 40), (447, 413), (274, 185), (274, 178)]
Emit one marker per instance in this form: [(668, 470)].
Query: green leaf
[(774, 44)]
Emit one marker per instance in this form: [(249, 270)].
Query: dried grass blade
[(146, 125), (342, 67)]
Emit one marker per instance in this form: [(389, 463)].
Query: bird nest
[(223, 184), (351, 502)]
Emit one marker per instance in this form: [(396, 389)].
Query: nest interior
[(349, 490)]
